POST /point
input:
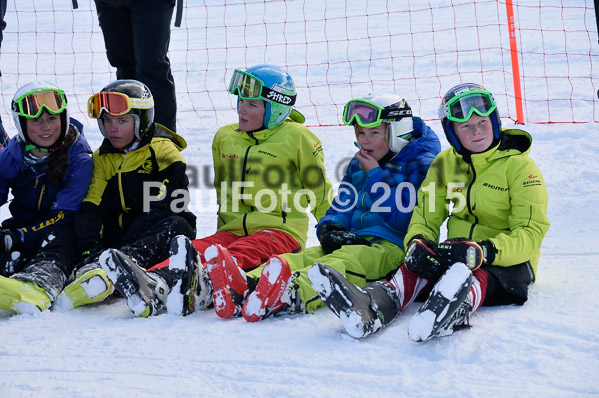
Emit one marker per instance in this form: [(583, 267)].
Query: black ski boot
[(362, 311), (447, 308), (145, 292), (183, 271)]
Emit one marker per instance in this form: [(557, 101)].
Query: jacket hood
[(425, 140)]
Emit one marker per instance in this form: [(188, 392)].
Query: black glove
[(470, 252), (90, 255), (333, 236), (10, 239), (422, 259)]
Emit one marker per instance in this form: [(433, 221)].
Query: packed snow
[(549, 347)]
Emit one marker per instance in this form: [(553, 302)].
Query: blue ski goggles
[(461, 107)]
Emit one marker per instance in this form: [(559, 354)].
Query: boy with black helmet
[(494, 200), (130, 214), (47, 168)]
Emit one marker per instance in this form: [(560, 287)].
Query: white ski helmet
[(374, 109)]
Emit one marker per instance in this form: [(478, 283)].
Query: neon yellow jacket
[(264, 179), (500, 196)]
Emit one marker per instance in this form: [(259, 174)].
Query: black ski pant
[(52, 263), (137, 36), (153, 246)]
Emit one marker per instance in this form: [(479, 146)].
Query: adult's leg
[(115, 23), (151, 26)]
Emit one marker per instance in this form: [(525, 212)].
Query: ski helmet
[(31, 99), (271, 84), (374, 109), (458, 105), (124, 97)]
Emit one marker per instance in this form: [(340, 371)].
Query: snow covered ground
[(549, 347)]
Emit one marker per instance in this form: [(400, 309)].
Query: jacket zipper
[(42, 191), (469, 202), (120, 180)]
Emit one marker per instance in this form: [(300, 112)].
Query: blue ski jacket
[(379, 204), (38, 204)]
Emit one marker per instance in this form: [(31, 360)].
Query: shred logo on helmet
[(34, 98), (280, 98)]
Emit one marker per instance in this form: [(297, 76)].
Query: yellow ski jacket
[(499, 195), (266, 179)]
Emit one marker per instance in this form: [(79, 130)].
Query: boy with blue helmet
[(269, 169), (493, 199)]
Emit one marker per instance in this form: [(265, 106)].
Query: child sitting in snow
[(361, 234), (494, 229)]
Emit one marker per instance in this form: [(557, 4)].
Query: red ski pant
[(408, 286), (250, 251)]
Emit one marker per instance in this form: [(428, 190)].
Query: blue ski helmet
[(271, 84)]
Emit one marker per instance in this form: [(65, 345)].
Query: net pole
[(515, 65)]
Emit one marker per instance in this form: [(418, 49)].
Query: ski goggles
[(117, 104), (368, 114), (461, 107), (32, 104), (249, 87)]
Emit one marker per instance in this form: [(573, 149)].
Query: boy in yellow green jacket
[(269, 173), (494, 200)]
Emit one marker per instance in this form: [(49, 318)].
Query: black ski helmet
[(459, 90), (144, 118)]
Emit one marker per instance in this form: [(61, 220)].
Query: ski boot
[(362, 311), (447, 308), (184, 262), (146, 292), (91, 285), (228, 280), (272, 292), (23, 297)]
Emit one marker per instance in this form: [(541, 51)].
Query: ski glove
[(10, 239), (333, 236), (461, 250), (422, 259), (90, 255)]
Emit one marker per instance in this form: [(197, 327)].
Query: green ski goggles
[(368, 114), (249, 87), (461, 107), (31, 105)]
